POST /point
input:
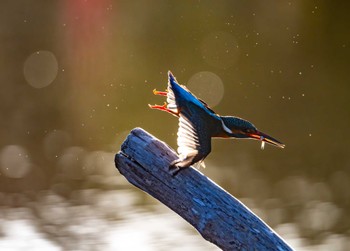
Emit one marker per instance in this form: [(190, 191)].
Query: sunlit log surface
[(218, 216)]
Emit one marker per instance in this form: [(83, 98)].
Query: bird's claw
[(173, 168), (155, 92), (159, 107), (164, 107)]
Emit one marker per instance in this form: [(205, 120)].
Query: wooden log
[(218, 216)]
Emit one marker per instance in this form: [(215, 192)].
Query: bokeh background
[(76, 77)]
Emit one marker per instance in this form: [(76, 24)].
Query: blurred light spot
[(288, 229), (274, 210), (71, 162), (289, 232), (295, 189), (14, 161), (90, 162), (319, 216), (22, 234), (100, 162), (148, 234), (40, 69), (112, 203), (54, 214), (321, 192), (220, 49), (336, 242), (55, 142), (207, 86)]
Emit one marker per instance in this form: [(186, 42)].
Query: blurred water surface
[(76, 77)]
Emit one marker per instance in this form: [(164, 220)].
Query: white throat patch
[(228, 130)]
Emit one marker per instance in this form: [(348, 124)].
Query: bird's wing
[(185, 93), (206, 105), (192, 140), (171, 98)]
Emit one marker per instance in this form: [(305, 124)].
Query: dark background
[(76, 77)]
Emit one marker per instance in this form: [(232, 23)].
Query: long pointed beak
[(266, 138)]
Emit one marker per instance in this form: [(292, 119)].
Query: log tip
[(136, 132), (117, 159), (139, 131)]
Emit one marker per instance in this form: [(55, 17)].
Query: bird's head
[(240, 128)]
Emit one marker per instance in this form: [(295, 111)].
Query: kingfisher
[(198, 123)]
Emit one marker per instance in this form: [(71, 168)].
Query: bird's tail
[(200, 164)]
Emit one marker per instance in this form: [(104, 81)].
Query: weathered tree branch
[(217, 215)]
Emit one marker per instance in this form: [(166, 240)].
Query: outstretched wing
[(194, 144)]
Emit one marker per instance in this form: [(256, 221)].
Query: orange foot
[(164, 108), (155, 92)]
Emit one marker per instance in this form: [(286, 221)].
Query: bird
[(198, 124)]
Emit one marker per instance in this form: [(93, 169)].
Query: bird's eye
[(248, 130)]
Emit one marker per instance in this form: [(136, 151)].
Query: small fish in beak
[(262, 142)]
